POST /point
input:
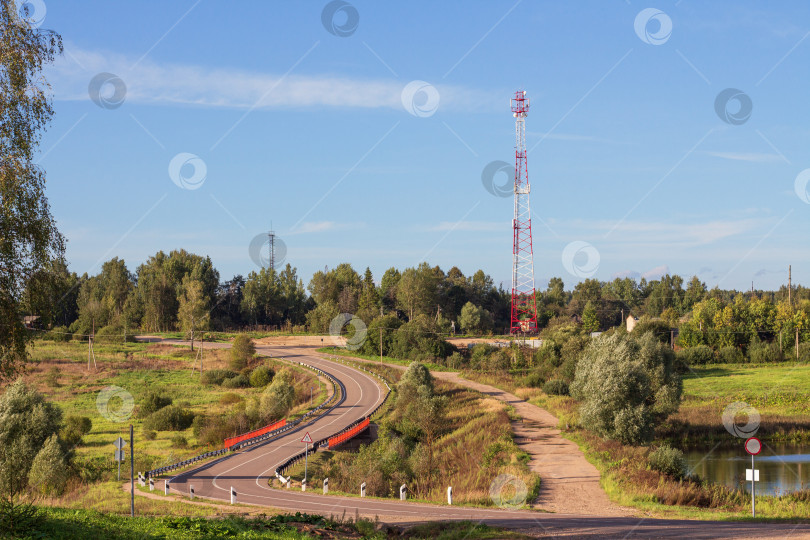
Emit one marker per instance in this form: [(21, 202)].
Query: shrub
[(696, 356), (148, 434), (114, 333), (278, 397), (153, 402), (240, 381), (178, 441), (668, 460), (52, 377), (171, 418), (556, 387), (228, 398), (730, 355), (261, 377), (760, 352), (47, 474), (242, 352), (216, 376), (75, 428), (626, 385), (535, 379), (59, 333)]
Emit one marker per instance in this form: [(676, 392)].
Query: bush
[(556, 387), (114, 333), (279, 396), (153, 402), (171, 418), (261, 377), (52, 377), (698, 355), (535, 379), (47, 474), (669, 461), (730, 355), (59, 333), (761, 352), (242, 352), (216, 376), (228, 398), (178, 441), (240, 381), (148, 434), (75, 428), (626, 385)]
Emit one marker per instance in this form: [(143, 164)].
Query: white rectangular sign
[(748, 475)]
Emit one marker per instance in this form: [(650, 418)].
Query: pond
[(783, 468)]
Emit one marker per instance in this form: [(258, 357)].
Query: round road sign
[(753, 446)]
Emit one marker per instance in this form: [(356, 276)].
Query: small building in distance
[(631, 322)]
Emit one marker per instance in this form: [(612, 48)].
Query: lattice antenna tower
[(523, 305)]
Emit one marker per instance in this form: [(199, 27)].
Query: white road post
[(151, 484), (165, 487), (191, 492), (303, 485), (450, 495), (403, 492), (325, 486), (753, 489), (233, 495), (363, 489)]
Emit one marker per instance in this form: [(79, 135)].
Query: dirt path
[(570, 484)]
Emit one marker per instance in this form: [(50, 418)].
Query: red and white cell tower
[(524, 306)]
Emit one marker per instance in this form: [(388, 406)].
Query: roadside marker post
[(403, 492), (450, 495), (233, 495), (363, 489), (165, 487), (325, 486), (119, 444), (307, 440), (753, 446)]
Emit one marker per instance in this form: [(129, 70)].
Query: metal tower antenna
[(524, 306), (271, 236)]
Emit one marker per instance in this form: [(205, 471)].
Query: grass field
[(138, 368)]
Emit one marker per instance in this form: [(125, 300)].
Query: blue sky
[(631, 165)]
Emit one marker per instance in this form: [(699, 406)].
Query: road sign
[(120, 443), (748, 475), (307, 439), (753, 446), (119, 455)]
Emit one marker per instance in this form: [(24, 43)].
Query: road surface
[(248, 472)]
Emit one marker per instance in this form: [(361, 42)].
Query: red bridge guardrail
[(340, 438), (255, 433)]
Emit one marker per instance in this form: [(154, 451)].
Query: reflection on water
[(783, 468)]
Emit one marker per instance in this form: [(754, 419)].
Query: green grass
[(771, 388)]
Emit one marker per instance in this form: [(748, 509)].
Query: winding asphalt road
[(248, 472)]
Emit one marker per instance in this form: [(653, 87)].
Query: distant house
[(631, 322), (31, 321)]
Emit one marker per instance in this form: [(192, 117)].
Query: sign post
[(119, 444), (753, 446), (307, 440)]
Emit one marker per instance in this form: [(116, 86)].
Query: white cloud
[(310, 227), (166, 84)]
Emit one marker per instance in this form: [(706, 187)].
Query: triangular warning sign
[(307, 439)]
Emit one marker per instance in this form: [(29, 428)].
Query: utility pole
[(381, 346), (790, 285)]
